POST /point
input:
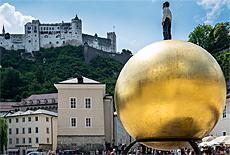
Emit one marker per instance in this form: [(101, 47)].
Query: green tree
[(3, 134), (39, 74), (124, 51), (10, 83), (200, 35), (221, 38)]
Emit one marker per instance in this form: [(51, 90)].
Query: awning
[(12, 150), (31, 149)]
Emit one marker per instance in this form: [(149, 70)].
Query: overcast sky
[(137, 23)]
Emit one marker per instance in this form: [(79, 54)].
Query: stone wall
[(84, 142), (90, 53)]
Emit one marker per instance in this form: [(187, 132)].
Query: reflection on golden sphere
[(172, 90)]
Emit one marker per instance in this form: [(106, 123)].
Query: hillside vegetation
[(21, 78)]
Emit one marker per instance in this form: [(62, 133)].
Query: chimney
[(80, 79)]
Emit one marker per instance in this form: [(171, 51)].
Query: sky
[(137, 22)]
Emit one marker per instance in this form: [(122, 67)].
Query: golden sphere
[(170, 90)]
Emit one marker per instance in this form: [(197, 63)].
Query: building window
[(38, 101), (73, 122), (224, 133), (17, 140), (29, 130), (10, 131), (23, 130), (47, 119), (23, 140), (48, 140), (10, 140), (47, 130), (29, 140), (29, 119), (9, 120), (36, 118), (16, 120), (224, 115), (73, 102), (36, 130), (31, 101), (87, 102), (36, 139), (45, 101), (88, 122), (23, 119), (16, 130)]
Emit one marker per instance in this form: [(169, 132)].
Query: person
[(49, 153), (97, 152), (166, 21), (113, 153), (43, 152)]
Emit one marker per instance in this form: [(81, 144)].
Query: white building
[(31, 131), (39, 35), (85, 115), (223, 126)]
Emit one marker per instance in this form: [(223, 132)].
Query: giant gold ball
[(170, 90)]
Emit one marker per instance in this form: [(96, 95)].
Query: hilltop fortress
[(39, 35)]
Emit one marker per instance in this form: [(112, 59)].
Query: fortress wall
[(90, 53)]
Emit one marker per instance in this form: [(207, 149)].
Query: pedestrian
[(166, 21), (43, 152), (59, 153), (49, 153), (97, 152)]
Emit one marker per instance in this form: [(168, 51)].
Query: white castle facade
[(39, 35)]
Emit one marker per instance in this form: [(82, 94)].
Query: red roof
[(39, 99), (6, 106)]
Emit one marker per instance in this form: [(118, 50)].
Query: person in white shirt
[(166, 21)]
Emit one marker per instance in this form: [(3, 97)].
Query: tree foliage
[(213, 39), (22, 77), (3, 134)]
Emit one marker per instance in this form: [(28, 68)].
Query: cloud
[(134, 43), (13, 20), (213, 8), (154, 1)]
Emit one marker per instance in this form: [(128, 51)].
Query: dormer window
[(24, 102), (45, 101), (31, 102), (53, 100), (38, 101)]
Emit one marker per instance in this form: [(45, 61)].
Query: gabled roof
[(29, 112), (39, 99), (85, 81), (6, 106)]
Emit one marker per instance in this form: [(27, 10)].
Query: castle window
[(35, 41), (49, 42), (35, 35), (35, 31), (35, 27), (29, 28), (57, 27), (57, 42), (45, 36), (52, 28), (46, 28), (49, 28), (29, 41), (57, 36), (63, 42), (29, 31), (1, 42), (41, 28), (70, 32)]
